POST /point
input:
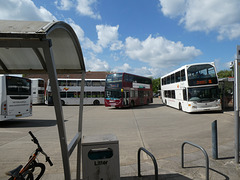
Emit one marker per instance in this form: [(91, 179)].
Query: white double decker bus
[(38, 90), (192, 88), (70, 90), (15, 97)]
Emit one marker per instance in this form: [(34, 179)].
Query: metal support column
[(236, 103), (58, 108), (79, 147)]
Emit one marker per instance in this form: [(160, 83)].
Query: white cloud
[(108, 35), (107, 38), (117, 45), (147, 72), (78, 30), (95, 64), (88, 44), (24, 10), (159, 52), (231, 31), (206, 15), (142, 71), (84, 7), (173, 8), (64, 4), (124, 68)]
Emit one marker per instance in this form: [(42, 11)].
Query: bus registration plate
[(18, 115)]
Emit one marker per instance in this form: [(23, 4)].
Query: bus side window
[(63, 94), (168, 79), (173, 94), (183, 77), (177, 75), (172, 78), (184, 94)]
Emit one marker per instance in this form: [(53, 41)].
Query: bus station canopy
[(21, 50), (33, 47)]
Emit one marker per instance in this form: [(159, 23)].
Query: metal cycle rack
[(204, 152), (153, 159)]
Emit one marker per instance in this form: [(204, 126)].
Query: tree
[(225, 73), (156, 85)]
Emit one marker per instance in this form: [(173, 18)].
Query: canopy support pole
[(79, 148), (58, 109)]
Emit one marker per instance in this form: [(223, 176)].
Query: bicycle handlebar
[(34, 138), (49, 161), (40, 148)]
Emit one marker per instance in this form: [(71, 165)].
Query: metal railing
[(204, 152), (153, 159)]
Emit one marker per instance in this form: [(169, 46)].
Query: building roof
[(88, 75)]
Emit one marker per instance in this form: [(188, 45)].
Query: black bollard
[(214, 140)]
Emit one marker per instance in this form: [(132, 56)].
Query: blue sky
[(144, 37)]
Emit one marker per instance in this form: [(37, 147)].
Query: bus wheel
[(96, 102), (62, 102), (180, 106)]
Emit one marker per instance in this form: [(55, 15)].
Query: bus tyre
[(62, 102), (180, 106), (96, 102)]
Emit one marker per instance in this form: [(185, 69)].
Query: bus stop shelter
[(28, 47)]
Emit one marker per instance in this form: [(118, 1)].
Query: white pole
[(236, 104)]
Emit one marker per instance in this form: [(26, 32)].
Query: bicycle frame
[(30, 161)]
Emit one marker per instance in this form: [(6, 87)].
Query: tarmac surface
[(158, 128)]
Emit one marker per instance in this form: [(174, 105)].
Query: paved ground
[(159, 129)]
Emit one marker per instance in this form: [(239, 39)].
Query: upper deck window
[(114, 77), (201, 75)]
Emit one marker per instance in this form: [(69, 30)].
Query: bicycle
[(26, 172)]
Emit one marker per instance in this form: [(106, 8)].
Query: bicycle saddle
[(14, 172)]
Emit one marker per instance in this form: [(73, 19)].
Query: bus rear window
[(18, 86)]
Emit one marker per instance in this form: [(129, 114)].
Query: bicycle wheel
[(37, 170), (27, 175)]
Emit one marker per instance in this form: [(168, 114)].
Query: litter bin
[(100, 157)]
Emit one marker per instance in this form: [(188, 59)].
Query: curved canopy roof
[(23, 47)]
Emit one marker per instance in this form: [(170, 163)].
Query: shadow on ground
[(23, 123), (152, 177)]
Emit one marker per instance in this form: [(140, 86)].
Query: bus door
[(141, 97), (126, 98)]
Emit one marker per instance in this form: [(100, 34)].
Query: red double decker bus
[(127, 90)]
